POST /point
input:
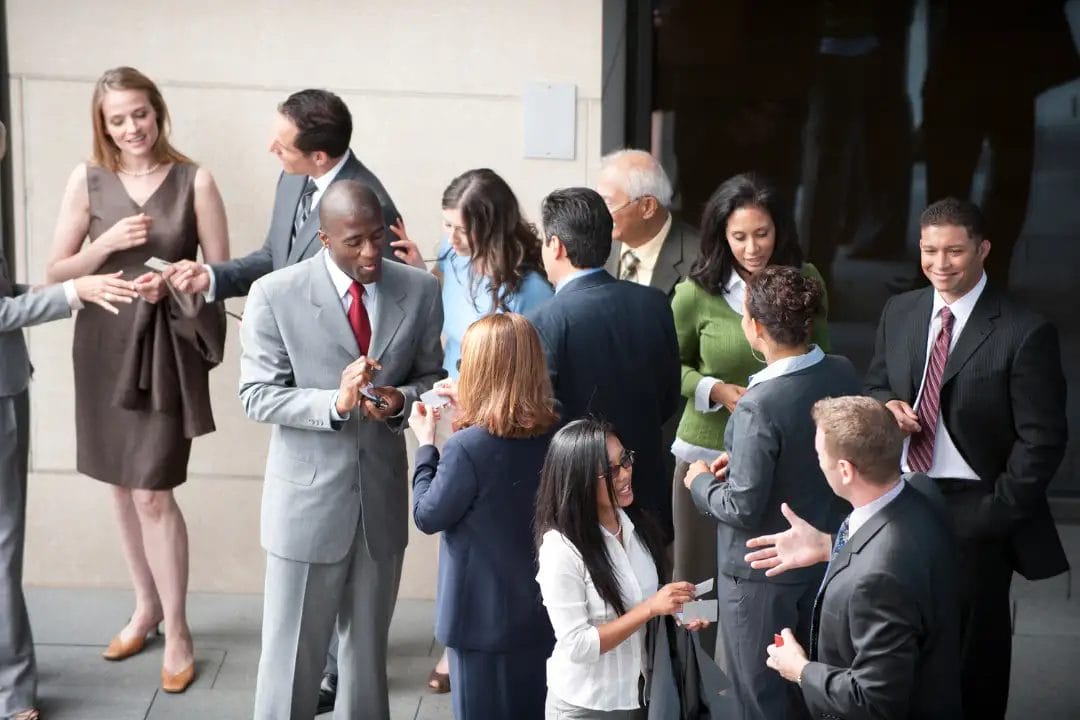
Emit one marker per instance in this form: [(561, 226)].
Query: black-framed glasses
[(626, 461)]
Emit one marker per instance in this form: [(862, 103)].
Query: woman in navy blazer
[(480, 494)]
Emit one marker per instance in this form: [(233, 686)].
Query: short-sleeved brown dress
[(142, 377)]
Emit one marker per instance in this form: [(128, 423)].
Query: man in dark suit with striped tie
[(975, 382)]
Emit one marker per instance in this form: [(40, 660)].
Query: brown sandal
[(438, 683)]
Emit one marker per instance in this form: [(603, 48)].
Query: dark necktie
[(630, 263), (303, 209), (6, 288), (358, 318), (841, 541), (921, 449)]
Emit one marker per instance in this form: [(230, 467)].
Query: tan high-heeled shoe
[(119, 649), (179, 682)]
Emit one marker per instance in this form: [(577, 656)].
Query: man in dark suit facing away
[(975, 382), (885, 637), (610, 345)]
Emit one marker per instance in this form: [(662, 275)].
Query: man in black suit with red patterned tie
[(975, 381)]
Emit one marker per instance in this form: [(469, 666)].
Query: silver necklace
[(140, 173)]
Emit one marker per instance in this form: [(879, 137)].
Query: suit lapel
[(309, 230), (329, 314), (669, 261), (389, 312), (976, 330), (918, 330)]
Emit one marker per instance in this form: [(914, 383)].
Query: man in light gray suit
[(334, 512), (312, 131), (22, 306)]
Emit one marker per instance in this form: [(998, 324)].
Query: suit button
[(356, 487)]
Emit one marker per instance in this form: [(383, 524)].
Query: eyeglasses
[(626, 461), (626, 204), (458, 365)]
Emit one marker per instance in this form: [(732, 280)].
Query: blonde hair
[(862, 431), (106, 154), (504, 384)]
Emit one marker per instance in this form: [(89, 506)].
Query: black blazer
[(233, 278), (480, 494), (1003, 403), (887, 639), (611, 352)]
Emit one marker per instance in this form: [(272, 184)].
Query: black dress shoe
[(327, 693)]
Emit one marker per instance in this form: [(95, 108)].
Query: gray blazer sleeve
[(33, 308), (885, 625), (267, 383), (741, 499), (427, 368)]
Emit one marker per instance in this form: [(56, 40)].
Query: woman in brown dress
[(141, 377)]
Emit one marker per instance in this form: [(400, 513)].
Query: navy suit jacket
[(480, 494), (612, 353)]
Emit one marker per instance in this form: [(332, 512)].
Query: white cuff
[(211, 292), (334, 414), (701, 395), (72, 295)]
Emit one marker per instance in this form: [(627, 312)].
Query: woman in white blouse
[(600, 562)]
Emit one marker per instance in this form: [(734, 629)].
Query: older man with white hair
[(649, 246)]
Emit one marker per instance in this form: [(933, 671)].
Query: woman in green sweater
[(746, 226)]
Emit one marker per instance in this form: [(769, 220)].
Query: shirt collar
[(861, 514), (648, 252), (343, 282), (962, 307), (575, 275), (323, 181), (788, 365), (734, 281)]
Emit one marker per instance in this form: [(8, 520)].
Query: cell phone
[(377, 400)]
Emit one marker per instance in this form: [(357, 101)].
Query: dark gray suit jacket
[(678, 253), (233, 278), (887, 643), (1003, 402), (770, 443)]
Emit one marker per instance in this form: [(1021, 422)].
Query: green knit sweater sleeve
[(684, 306)]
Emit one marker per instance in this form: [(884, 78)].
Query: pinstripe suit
[(1003, 404)]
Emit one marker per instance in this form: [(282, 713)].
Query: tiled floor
[(71, 627)]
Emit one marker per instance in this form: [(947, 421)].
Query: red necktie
[(358, 318), (921, 448)]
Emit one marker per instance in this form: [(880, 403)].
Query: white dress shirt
[(861, 514), (647, 255), (370, 298), (948, 462), (321, 183), (577, 672)]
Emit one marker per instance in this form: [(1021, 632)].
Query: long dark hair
[(502, 242), (716, 262), (566, 502)]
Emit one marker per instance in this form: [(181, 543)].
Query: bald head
[(351, 229), (348, 198)]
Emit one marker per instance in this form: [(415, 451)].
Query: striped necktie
[(303, 210), (629, 266), (841, 541), (921, 448)]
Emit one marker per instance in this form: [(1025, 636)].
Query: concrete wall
[(435, 88)]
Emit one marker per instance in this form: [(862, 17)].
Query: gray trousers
[(300, 605), (750, 613), (18, 670), (556, 709)]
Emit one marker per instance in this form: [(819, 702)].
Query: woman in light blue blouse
[(489, 260)]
